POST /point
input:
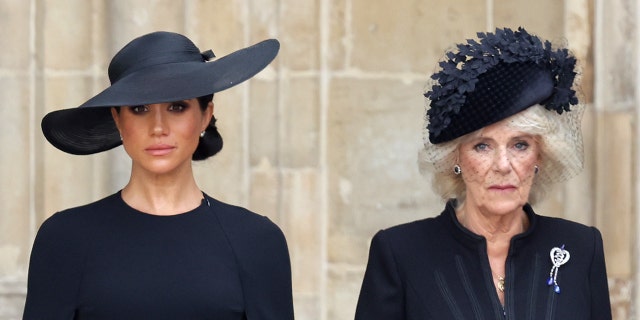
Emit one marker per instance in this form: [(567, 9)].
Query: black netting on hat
[(505, 75), (560, 136)]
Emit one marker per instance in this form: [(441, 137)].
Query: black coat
[(436, 269)]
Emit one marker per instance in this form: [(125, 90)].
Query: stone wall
[(325, 140)]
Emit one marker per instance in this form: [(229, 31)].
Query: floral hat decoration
[(497, 77)]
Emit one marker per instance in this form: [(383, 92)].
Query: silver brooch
[(559, 256)]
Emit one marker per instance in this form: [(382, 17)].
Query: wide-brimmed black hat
[(154, 68), (490, 80)]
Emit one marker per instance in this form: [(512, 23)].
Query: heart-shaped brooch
[(559, 256)]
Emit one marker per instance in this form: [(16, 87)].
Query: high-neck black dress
[(107, 260), (436, 269)]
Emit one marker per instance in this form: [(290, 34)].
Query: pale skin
[(160, 139), (498, 168)]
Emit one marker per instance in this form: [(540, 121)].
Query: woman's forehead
[(500, 130)]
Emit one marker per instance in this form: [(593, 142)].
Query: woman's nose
[(159, 126), (502, 160)]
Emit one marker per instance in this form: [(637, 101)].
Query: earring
[(457, 170), (536, 169), (202, 134)]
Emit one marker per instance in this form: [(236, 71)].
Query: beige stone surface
[(128, 19), (301, 39), (324, 141), (14, 35), (264, 196), (615, 196), (343, 288), (617, 60), (578, 27), (544, 18), (15, 169), (261, 19), (337, 31), (621, 294), (215, 25), (302, 222), (307, 306), (12, 293), (263, 124), (68, 45), (299, 123), (225, 176), (374, 130), (409, 36)]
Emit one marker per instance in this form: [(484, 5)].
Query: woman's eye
[(481, 147), (138, 109), (521, 145), (177, 107)]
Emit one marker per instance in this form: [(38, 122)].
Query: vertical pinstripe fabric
[(463, 274), (448, 297), (533, 288)]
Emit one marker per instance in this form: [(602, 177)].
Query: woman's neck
[(496, 228), (165, 194)]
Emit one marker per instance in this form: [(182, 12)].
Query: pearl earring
[(202, 134)]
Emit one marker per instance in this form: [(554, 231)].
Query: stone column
[(18, 78), (615, 103), (68, 80)]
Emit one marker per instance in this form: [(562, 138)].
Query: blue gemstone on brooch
[(559, 256)]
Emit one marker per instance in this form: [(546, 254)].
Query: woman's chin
[(504, 206)]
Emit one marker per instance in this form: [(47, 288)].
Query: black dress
[(107, 260), (436, 269)]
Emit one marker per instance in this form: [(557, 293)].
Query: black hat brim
[(90, 128)]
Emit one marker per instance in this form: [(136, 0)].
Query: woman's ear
[(116, 117), (208, 115)]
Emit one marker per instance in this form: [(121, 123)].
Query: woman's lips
[(159, 150), (502, 187)]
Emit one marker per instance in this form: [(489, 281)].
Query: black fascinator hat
[(502, 74), (154, 68)]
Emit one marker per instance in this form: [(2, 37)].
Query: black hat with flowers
[(494, 78)]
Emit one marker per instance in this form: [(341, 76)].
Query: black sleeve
[(265, 269), (600, 304), (54, 273), (268, 277), (381, 295)]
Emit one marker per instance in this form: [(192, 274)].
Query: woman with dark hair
[(503, 124), (160, 248)]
